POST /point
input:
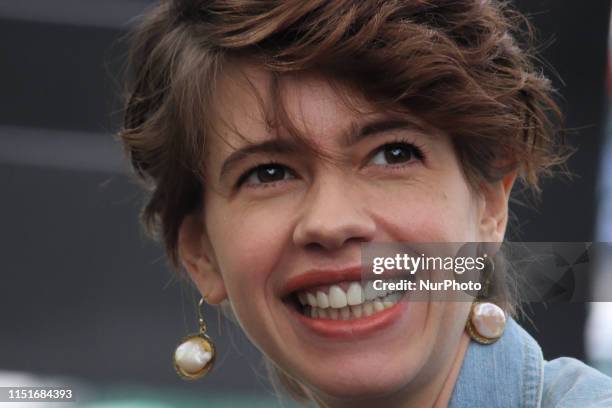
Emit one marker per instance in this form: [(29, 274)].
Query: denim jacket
[(513, 373)]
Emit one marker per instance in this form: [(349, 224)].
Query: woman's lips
[(316, 277), (358, 325), (355, 328)]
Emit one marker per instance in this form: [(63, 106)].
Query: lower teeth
[(353, 312)]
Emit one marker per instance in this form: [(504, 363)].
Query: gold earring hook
[(202, 323)]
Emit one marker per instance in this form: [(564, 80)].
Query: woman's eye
[(396, 153), (265, 173)]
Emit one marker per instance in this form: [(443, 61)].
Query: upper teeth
[(356, 294)]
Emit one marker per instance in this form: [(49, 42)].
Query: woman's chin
[(372, 374), (372, 356), (362, 379)]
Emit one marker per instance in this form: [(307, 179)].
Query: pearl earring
[(195, 355), (487, 321)]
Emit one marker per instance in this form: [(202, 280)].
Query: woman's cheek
[(252, 242), (436, 209), (418, 214)]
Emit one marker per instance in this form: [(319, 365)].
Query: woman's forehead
[(255, 105)]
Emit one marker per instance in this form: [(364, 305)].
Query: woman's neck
[(446, 391), (436, 393)]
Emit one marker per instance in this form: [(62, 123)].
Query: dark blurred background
[(85, 294)]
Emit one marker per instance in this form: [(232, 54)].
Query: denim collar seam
[(532, 372)]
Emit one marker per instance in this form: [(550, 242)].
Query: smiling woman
[(283, 135)]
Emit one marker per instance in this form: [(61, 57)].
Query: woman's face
[(274, 230)]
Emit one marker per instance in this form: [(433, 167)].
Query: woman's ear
[(494, 216), (197, 256)]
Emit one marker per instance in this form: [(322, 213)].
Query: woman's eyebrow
[(359, 133), (356, 133), (278, 146)]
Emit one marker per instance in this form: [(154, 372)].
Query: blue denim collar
[(507, 373)]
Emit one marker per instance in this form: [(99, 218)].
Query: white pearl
[(489, 320), (192, 356)]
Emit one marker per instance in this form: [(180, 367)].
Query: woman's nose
[(331, 215)]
